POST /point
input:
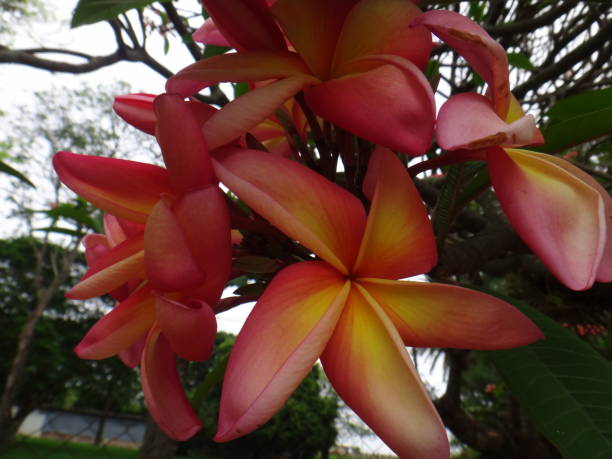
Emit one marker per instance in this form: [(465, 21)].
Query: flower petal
[(132, 355), (247, 66), (387, 105), (371, 371), (118, 230), (123, 326), (380, 27), (127, 189), (162, 389), (308, 208), (111, 269), (398, 241), (209, 34), (169, 263), (250, 109), (137, 110), (468, 121), (246, 24), (205, 224), (313, 28), (189, 326), (182, 144), (437, 315), (278, 345), (559, 216), (485, 55)]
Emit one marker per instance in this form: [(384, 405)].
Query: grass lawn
[(47, 448)]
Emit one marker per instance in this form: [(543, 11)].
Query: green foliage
[(578, 119), (28, 448), (6, 169), (55, 376), (564, 384), (520, 60), (92, 11), (302, 428)]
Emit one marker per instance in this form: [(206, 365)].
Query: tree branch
[(566, 62)]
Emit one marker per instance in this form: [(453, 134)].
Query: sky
[(17, 82)]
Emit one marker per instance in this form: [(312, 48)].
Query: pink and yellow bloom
[(562, 213), (348, 308), (173, 260), (357, 62)]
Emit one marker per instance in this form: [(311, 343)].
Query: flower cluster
[(328, 79)]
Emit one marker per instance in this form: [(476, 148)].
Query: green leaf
[(240, 89), (565, 385), (582, 103), (76, 212), (578, 119), (576, 130), (214, 50), (520, 60), (92, 11), (58, 230), (213, 377), (256, 264), (5, 168)]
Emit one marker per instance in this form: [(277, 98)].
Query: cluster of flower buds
[(328, 80), (587, 329)]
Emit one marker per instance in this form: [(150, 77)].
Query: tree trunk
[(156, 444), (8, 423)]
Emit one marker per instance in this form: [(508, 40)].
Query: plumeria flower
[(137, 110), (357, 62), (174, 268), (348, 308), (562, 213)]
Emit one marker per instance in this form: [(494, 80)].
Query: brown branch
[(30, 58), (506, 30), (565, 63), (180, 27), (463, 426)]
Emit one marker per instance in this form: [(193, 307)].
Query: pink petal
[(559, 216), (371, 371), (389, 106), (182, 144), (118, 230), (123, 326), (112, 269), (485, 55), (169, 263), (438, 315), (189, 326), (313, 27), (398, 240), (132, 355), (137, 110), (468, 121), (162, 389), (278, 345), (127, 189), (604, 271), (250, 109), (209, 34), (246, 24), (379, 27), (205, 224), (96, 246), (308, 208), (247, 66)]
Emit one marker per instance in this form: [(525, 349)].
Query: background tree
[(70, 119)]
